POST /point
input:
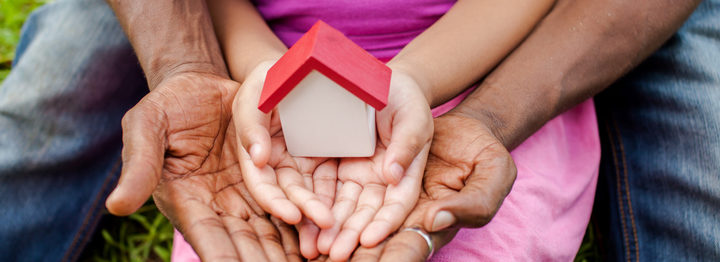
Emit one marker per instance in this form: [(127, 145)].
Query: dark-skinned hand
[(468, 175), (179, 146)]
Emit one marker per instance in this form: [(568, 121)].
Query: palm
[(211, 200), (466, 156), (468, 170), (178, 132), (287, 181), (281, 184), (468, 173), (366, 208)]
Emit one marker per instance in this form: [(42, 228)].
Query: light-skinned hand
[(371, 205), (298, 190)]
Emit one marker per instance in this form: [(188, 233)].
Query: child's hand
[(281, 184), (366, 208)]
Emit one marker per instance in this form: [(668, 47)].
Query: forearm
[(579, 49), (466, 43), (170, 37), (245, 38)]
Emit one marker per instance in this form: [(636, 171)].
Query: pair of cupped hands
[(217, 167)]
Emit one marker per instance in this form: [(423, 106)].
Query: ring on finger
[(425, 236)]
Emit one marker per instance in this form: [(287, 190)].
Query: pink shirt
[(545, 215)]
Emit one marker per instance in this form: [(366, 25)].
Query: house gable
[(328, 51)]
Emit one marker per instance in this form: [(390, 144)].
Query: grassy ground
[(12, 15), (145, 235)]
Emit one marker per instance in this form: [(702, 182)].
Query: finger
[(478, 201), (263, 187), (269, 238), (321, 258), (289, 239), (410, 134), (293, 185), (411, 246), (405, 246), (143, 155), (369, 202), (206, 232), (368, 254), (325, 181), (345, 202), (388, 219), (399, 201), (308, 233), (252, 125), (244, 238)]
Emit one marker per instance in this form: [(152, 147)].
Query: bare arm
[(244, 36), (170, 37), (466, 43), (578, 50), (176, 142)]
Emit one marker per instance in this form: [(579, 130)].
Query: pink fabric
[(546, 213)]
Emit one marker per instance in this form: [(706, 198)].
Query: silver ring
[(425, 236)]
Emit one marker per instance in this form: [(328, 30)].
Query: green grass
[(12, 15), (147, 234)]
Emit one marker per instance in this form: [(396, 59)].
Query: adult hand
[(175, 147), (366, 208), (468, 174)]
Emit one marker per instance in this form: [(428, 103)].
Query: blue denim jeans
[(659, 188), (74, 76)]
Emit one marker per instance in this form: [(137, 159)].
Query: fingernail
[(443, 219), (396, 171)]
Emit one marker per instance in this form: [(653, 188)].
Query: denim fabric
[(659, 190), (74, 77)]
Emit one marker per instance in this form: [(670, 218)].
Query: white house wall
[(320, 118)]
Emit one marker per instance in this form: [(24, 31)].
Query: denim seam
[(627, 191), (619, 191), (72, 253)]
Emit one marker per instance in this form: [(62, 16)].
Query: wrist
[(399, 67), (160, 71), (483, 119), (489, 112), (170, 37), (511, 113), (263, 63)]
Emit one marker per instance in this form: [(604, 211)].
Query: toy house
[(326, 89)]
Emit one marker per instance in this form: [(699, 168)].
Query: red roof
[(328, 51)]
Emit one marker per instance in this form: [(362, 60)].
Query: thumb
[(471, 207), (484, 190), (142, 156), (409, 136), (251, 124), (411, 246), (466, 210)]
